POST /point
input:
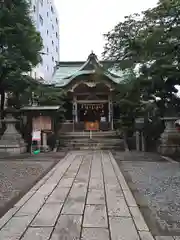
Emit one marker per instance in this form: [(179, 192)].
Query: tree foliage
[(38, 94), (20, 45), (128, 101), (150, 44)]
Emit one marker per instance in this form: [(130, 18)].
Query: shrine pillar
[(110, 112), (75, 115)]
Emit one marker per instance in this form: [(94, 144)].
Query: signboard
[(36, 136), (41, 123), (139, 123), (139, 120)]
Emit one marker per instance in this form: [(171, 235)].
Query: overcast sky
[(83, 22)]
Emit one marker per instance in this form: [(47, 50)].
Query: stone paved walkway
[(84, 197)]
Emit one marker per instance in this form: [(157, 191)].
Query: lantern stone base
[(169, 149), (167, 146), (11, 142), (12, 150)]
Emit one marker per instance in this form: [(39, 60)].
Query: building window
[(56, 34), (53, 59), (52, 10), (41, 19), (34, 8), (47, 14), (47, 50), (57, 49), (52, 26), (47, 32), (56, 20), (47, 67), (41, 1), (52, 42)]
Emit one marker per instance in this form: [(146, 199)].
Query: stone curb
[(136, 214)]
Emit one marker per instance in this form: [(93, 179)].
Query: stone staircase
[(83, 140)]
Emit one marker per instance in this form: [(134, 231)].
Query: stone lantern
[(11, 143)]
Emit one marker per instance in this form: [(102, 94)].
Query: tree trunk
[(2, 103)]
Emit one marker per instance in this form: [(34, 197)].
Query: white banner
[(36, 136)]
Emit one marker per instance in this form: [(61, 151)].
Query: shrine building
[(90, 88)]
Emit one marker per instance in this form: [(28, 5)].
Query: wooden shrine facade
[(90, 92)]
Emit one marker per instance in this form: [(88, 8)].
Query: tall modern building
[(46, 21)]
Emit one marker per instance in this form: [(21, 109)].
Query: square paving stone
[(113, 190), (96, 172), (79, 181), (122, 228), (70, 174), (47, 215), (145, 235), (58, 195), (95, 196), (46, 189), (72, 206), (95, 216), (164, 238), (117, 207), (33, 205), (65, 182), (78, 184), (8, 216), (67, 228), (96, 183), (95, 234), (37, 233), (14, 229), (78, 194)]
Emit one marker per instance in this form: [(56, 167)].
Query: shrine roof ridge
[(40, 108), (66, 71), (60, 63)]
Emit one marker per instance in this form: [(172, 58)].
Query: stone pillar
[(110, 115), (75, 109), (137, 140), (11, 142), (142, 142), (44, 140)]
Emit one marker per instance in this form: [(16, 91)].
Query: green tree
[(128, 101), (150, 43), (20, 45)]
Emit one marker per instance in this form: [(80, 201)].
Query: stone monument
[(166, 146), (11, 142)]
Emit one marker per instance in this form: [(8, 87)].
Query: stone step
[(68, 148), (86, 134), (92, 145), (104, 140)]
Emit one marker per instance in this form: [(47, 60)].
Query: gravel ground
[(155, 184), (19, 175)]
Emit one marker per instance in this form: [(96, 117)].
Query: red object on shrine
[(178, 128), (92, 126)]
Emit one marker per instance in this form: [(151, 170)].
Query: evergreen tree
[(151, 43), (20, 46)]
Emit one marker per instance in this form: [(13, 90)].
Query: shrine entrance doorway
[(93, 114)]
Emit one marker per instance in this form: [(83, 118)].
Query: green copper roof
[(65, 72)]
